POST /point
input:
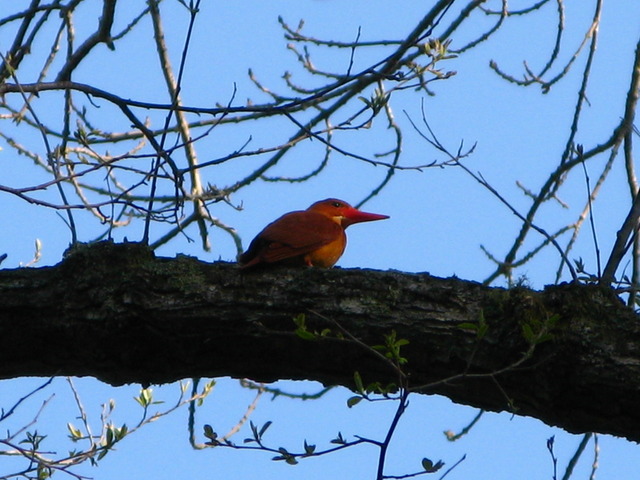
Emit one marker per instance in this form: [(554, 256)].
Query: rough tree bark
[(117, 313)]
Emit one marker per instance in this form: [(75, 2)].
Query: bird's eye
[(336, 204)]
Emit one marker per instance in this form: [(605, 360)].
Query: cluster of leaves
[(42, 464), (389, 352)]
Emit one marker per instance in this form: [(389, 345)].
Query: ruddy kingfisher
[(314, 237)]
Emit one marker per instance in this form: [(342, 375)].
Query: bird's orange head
[(342, 213)]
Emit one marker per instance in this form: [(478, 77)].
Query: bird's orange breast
[(327, 255)]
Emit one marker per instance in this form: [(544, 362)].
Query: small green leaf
[(145, 398), (109, 436), (300, 321), (206, 390), (430, 467), (302, 331), (264, 428), (527, 331), (353, 401), (210, 433), (286, 456), (44, 471), (553, 320), (480, 327), (305, 334), (309, 449), (469, 326), (357, 379), (391, 387), (544, 338), (122, 432), (75, 433), (482, 330), (366, 101), (374, 387)]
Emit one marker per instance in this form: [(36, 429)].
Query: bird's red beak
[(353, 215)]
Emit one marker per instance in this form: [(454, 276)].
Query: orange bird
[(313, 237)]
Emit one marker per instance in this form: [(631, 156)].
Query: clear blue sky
[(439, 218)]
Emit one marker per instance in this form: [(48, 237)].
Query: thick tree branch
[(117, 313)]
